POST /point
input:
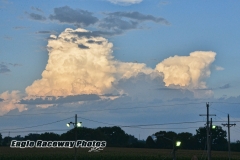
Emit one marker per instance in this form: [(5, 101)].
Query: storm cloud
[(73, 16), (119, 22)]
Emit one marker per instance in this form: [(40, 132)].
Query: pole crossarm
[(206, 115), (230, 125)]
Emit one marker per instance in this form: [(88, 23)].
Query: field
[(7, 153)]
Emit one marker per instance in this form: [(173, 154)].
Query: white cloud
[(125, 2), (187, 71), (10, 101), (218, 68)]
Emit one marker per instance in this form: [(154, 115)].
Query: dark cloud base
[(60, 100)]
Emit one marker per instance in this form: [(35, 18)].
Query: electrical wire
[(171, 128), (218, 110), (140, 125), (169, 123), (110, 109), (97, 121), (123, 126), (36, 125), (33, 131), (234, 129), (54, 130), (226, 102), (126, 126)]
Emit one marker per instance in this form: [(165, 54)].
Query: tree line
[(116, 137)]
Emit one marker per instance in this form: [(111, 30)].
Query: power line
[(226, 102), (32, 131), (51, 130), (129, 126), (170, 128), (158, 124), (171, 123), (97, 121), (110, 109), (218, 110), (138, 126), (238, 128), (36, 125)]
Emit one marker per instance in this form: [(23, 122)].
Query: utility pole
[(208, 138), (229, 125), (75, 127), (173, 152)]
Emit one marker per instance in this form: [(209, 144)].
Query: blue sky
[(128, 39)]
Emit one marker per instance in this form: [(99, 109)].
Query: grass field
[(109, 153)]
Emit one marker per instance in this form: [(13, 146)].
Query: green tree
[(49, 136), (32, 137), (115, 136), (6, 141), (0, 139), (201, 138), (150, 143), (18, 138), (218, 138), (193, 143), (164, 140), (83, 133), (133, 141), (235, 146), (186, 140)]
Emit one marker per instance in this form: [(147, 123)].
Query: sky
[(118, 62)]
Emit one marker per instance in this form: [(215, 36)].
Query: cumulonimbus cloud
[(81, 62)]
